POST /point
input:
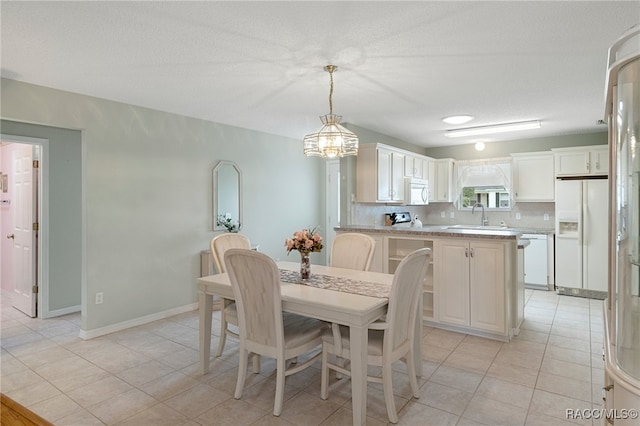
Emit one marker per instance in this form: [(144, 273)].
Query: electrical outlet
[(518, 216), (546, 216), (452, 215), (99, 298), (443, 215)]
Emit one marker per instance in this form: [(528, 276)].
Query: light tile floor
[(148, 375)]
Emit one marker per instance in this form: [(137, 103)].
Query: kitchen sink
[(479, 227)]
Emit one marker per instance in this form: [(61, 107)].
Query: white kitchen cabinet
[(581, 161), (390, 175), (599, 161), (397, 249), (533, 177), (379, 174), (431, 177), (443, 180), (487, 286), (453, 276), (471, 284), (416, 166)]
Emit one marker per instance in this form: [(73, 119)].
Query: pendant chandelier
[(332, 140)]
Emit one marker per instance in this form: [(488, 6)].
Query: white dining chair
[(229, 315), (264, 328), (352, 250), (390, 339)]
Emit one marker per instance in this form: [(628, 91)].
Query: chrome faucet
[(484, 221)]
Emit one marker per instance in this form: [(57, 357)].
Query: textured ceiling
[(259, 65)]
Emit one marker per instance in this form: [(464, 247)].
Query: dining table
[(337, 295)]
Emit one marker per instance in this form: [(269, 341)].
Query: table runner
[(346, 285)]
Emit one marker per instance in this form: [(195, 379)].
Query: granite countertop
[(448, 231)]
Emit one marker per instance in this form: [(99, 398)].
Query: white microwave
[(416, 191)]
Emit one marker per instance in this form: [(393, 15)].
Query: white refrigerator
[(581, 234)]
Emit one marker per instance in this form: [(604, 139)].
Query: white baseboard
[(97, 332)]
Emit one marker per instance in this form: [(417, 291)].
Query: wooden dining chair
[(352, 250), (229, 315), (264, 328), (390, 339)]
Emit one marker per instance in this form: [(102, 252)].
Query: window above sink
[(491, 197), (486, 182)]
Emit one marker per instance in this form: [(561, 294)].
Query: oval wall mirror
[(227, 195)]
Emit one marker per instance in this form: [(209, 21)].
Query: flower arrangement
[(305, 241), (227, 222)]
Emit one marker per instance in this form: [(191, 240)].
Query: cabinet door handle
[(471, 252), (466, 252)]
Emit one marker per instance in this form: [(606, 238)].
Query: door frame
[(42, 266)]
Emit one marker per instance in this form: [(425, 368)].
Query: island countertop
[(437, 231)]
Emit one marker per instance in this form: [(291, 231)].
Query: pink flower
[(289, 244), (306, 240)]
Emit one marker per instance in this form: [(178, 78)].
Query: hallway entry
[(20, 222)]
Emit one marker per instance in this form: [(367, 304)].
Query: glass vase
[(305, 265)]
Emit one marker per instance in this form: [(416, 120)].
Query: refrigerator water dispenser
[(567, 229)]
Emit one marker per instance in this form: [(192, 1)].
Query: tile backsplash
[(526, 215)]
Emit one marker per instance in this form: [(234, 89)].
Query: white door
[(595, 234), (452, 271), (397, 176), (569, 224), (384, 174), (535, 260), (333, 202), (24, 189), (486, 278)]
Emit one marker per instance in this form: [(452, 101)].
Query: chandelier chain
[(331, 90)]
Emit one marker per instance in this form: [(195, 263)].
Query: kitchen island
[(475, 283)]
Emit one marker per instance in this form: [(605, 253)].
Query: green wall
[(147, 195)]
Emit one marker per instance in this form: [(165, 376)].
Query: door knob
[(11, 237)]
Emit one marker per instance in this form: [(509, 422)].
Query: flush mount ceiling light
[(458, 119), (496, 128), (479, 146), (332, 140)]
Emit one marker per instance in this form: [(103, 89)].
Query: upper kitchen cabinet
[(582, 161), (442, 181), (416, 167), (431, 177), (379, 174), (533, 177)]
